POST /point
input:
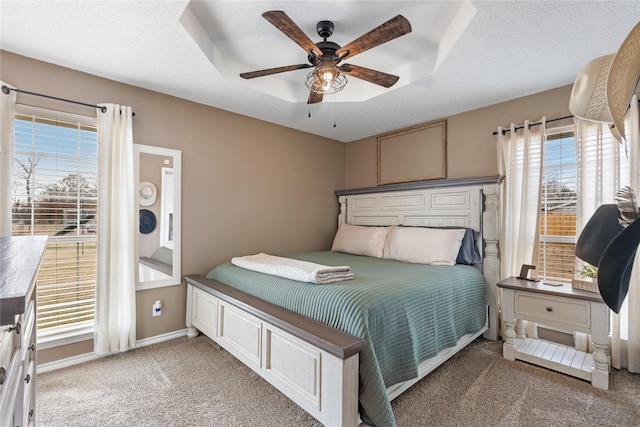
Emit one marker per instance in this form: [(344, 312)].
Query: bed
[(342, 365), (159, 266)]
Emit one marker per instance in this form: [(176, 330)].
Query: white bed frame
[(313, 364)]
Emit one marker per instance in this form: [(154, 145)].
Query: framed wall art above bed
[(340, 367), (413, 154)]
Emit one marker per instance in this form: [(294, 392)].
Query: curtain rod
[(504, 131), (6, 90)]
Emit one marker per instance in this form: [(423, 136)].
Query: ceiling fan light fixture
[(326, 79)]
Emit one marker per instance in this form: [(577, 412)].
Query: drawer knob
[(3, 374), (549, 309), (27, 378), (17, 328)]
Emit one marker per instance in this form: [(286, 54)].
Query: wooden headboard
[(472, 203)]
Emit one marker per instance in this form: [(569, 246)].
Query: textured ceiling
[(461, 55)]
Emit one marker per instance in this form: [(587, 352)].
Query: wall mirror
[(157, 173)]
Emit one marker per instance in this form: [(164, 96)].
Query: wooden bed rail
[(324, 337)]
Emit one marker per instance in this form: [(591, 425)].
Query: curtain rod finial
[(6, 90)]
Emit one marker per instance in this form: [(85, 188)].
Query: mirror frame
[(176, 278)]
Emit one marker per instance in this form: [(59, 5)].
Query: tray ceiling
[(461, 55)]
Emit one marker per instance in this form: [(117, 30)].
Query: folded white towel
[(289, 268)]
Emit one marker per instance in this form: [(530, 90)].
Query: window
[(55, 193), (558, 207)]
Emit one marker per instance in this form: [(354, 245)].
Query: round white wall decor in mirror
[(148, 193)]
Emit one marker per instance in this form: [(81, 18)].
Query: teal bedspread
[(405, 312)]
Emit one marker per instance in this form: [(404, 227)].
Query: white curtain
[(7, 113), (520, 162), (604, 166), (601, 168), (115, 294)]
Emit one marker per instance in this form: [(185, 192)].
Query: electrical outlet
[(157, 308)]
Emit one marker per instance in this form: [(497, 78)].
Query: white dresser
[(19, 262)]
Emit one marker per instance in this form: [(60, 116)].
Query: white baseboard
[(87, 357), (161, 338), (69, 361)]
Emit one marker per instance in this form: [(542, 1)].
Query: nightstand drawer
[(549, 309)]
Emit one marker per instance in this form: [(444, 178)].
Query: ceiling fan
[(324, 57)]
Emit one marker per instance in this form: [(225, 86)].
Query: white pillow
[(424, 245), (359, 240)]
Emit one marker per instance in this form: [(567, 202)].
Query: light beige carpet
[(193, 382)]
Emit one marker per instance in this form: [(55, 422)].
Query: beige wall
[(471, 147), (248, 186)]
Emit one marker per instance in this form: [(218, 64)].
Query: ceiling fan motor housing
[(325, 30), (328, 51)]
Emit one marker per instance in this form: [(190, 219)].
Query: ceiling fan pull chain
[(334, 108)]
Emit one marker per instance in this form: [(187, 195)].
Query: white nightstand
[(562, 307)]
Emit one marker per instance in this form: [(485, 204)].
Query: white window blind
[(55, 194), (558, 204)]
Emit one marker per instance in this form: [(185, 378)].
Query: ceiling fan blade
[(373, 76), (393, 28), (269, 71), (314, 97), (281, 21)]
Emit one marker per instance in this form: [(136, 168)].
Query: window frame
[(81, 331)]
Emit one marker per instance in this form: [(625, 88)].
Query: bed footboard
[(313, 364)]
